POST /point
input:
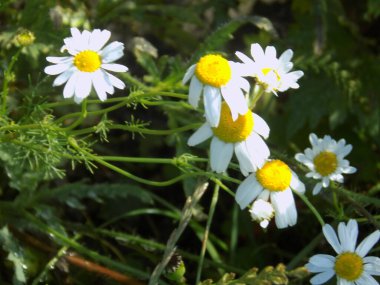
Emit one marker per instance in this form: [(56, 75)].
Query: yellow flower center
[(213, 70), (349, 266), (267, 70), (275, 175), (87, 61), (233, 131), (325, 163)]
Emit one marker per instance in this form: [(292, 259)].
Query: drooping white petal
[(100, 85), (247, 191), (69, 89), (115, 81), (200, 135), (260, 126), (212, 103), (317, 188), (296, 184), (220, 155), (322, 277), (235, 100), (63, 77), (195, 91), (188, 74), (83, 85), (245, 162), (285, 208)]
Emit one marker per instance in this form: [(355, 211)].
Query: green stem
[(139, 130), (6, 80), (80, 119), (206, 233), (311, 207), (258, 91), (176, 179)]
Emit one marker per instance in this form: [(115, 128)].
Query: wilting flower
[(215, 77), (262, 211), (326, 160), (274, 180), (241, 136), (87, 65), (351, 266), (271, 73)]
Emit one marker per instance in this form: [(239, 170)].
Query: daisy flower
[(351, 266), (271, 73), (274, 180), (326, 160), (215, 77), (241, 136), (87, 65)]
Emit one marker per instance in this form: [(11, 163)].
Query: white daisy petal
[(63, 77), (83, 89), (247, 191), (69, 89), (212, 103), (285, 208), (195, 91), (322, 277), (366, 279), (365, 246), (331, 237), (296, 184), (114, 67), (56, 69), (189, 73), (115, 81), (98, 39), (317, 188), (202, 134), (260, 126), (100, 85), (245, 162), (58, 60), (220, 155)]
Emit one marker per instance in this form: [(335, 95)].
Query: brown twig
[(76, 260)]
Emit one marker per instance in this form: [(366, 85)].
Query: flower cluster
[(234, 128)]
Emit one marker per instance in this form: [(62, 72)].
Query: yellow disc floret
[(325, 163), (267, 70), (275, 175), (233, 131), (87, 61), (213, 70), (349, 266)]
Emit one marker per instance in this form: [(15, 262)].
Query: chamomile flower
[(271, 73), (274, 180), (215, 77), (351, 266), (262, 212), (87, 65), (241, 136), (326, 160)]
